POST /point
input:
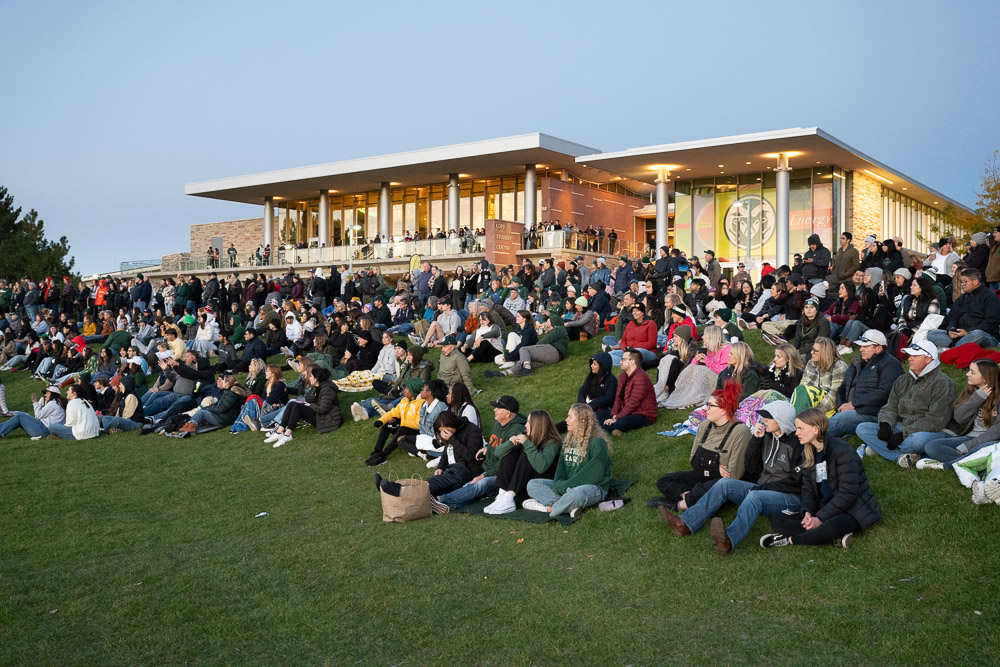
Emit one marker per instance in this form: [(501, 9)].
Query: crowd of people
[(169, 355)]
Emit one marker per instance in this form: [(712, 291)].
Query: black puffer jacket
[(464, 445), (867, 384), (851, 493), (325, 400)]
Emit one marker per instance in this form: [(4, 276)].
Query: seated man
[(507, 423), (639, 334), (453, 367), (551, 349), (635, 398), (447, 323), (974, 317), (866, 385), (919, 408)]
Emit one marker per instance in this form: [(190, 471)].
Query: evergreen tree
[(24, 250)]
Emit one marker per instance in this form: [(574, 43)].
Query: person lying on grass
[(778, 454), (836, 499), (583, 472)]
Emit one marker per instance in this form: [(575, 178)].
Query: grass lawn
[(146, 550)]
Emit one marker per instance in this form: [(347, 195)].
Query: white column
[(384, 210), (662, 207), (781, 209), (530, 195), (324, 218), (453, 202), (269, 222)]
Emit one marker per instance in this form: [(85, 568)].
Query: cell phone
[(788, 512), (702, 350)]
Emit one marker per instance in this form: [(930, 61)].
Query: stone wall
[(864, 208), (245, 234)]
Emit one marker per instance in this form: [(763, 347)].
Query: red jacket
[(635, 396), (640, 335)]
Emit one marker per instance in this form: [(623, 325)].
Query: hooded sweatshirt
[(499, 444), (599, 391), (778, 456)]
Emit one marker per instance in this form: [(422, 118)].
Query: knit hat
[(818, 290), (812, 301), (677, 310), (581, 301), (871, 238), (415, 385), (684, 331), (725, 314), (980, 237), (903, 273)]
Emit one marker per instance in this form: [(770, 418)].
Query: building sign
[(503, 240), (752, 216)]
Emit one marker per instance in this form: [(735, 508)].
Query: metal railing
[(574, 240)]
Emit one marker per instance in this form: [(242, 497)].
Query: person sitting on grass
[(485, 342), (453, 366), (598, 390), (264, 407), (775, 449), (507, 423), (742, 368), (81, 420), (51, 409), (635, 398), (836, 500), (639, 334), (718, 451), (224, 410), (918, 410), (435, 396), (583, 471), (812, 325), (321, 408), (126, 409), (534, 456), (414, 366), (552, 348), (976, 407), (407, 412), (462, 456), (823, 374), (679, 352), (866, 385)]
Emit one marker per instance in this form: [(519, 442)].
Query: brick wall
[(583, 207), (246, 234), (864, 208)]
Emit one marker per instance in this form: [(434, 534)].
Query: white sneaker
[(271, 437), (929, 464), (870, 452), (507, 364), (992, 490), (843, 350), (358, 412), (486, 510), (979, 496), (908, 460), (433, 463), (37, 437), (283, 440), (504, 504), (533, 505)]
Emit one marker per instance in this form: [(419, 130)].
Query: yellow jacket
[(407, 412)]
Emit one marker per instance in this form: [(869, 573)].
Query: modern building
[(756, 196)]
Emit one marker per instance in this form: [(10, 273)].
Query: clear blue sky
[(110, 108)]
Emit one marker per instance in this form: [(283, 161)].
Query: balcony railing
[(574, 240)]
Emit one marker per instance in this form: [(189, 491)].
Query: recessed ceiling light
[(748, 162), (722, 172), (904, 189), (937, 202), (394, 183), (721, 165), (818, 162), (331, 191)]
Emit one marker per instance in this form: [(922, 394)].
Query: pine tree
[(25, 250)]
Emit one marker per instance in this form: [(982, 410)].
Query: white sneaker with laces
[(504, 504), (992, 490), (273, 436), (283, 440), (908, 460), (979, 496), (358, 412), (507, 364), (533, 505), (433, 463), (929, 464)]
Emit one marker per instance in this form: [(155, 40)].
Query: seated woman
[(407, 412), (583, 470), (535, 456), (777, 455), (485, 343), (917, 305), (679, 352), (598, 389), (460, 402), (843, 309), (581, 324), (522, 335), (714, 352), (836, 499), (742, 368), (81, 420), (809, 327), (263, 405), (433, 396), (784, 373), (126, 412), (51, 409), (976, 407), (321, 409), (719, 450), (823, 374), (224, 410), (460, 462), (698, 379), (874, 312)]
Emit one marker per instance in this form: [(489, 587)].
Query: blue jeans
[(160, 401), (941, 338), (846, 423), (470, 492), (272, 417), (853, 330), (404, 328), (368, 404), (647, 356), (609, 340), (63, 431), (911, 445), (943, 450), (584, 495), (182, 404), (108, 422), (205, 418), (835, 330), (751, 505), (33, 427)]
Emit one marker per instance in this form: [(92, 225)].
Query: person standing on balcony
[(232, 255)]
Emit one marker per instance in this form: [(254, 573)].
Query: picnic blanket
[(615, 490)]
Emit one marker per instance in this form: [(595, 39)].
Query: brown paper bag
[(414, 502)]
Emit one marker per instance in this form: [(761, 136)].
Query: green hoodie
[(499, 444), (557, 338), (593, 468)]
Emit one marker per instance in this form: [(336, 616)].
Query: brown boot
[(723, 545), (675, 522)]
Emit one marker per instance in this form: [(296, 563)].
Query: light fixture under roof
[(748, 162), (881, 178), (394, 183), (668, 167), (721, 166), (785, 153)]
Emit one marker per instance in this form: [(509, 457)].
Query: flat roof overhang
[(750, 153), (479, 159)]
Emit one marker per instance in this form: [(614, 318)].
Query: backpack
[(895, 342)]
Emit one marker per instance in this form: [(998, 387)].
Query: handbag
[(706, 461), (413, 502)]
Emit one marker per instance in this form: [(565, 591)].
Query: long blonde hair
[(256, 367), (741, 358), (828, 354), (817, 418), (793, 360), (587, 427), (712, 338)]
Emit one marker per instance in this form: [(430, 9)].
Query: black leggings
[(485, 353), (673, 484), (295, 412), (516, 471), (832, 529), (392, 435)]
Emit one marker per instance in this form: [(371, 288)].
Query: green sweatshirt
[(541, 459), (593, 468), (499, 444), (557, 338)]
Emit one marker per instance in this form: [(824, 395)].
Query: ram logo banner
[(414, 264), (752, 213)]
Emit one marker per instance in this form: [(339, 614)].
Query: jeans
[(647, 356), (751, 505), (451, 478), (368, 405), (846, 423), (941, 338), (853, 330), (629, 423), (33, 427), (108, 422), (182, 404), (943, 450), (584, 495), (835, 330), (609, 340), (470, 492), (161, 401), (63, 431), (271, 417), (911, 445), (205, 418)]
